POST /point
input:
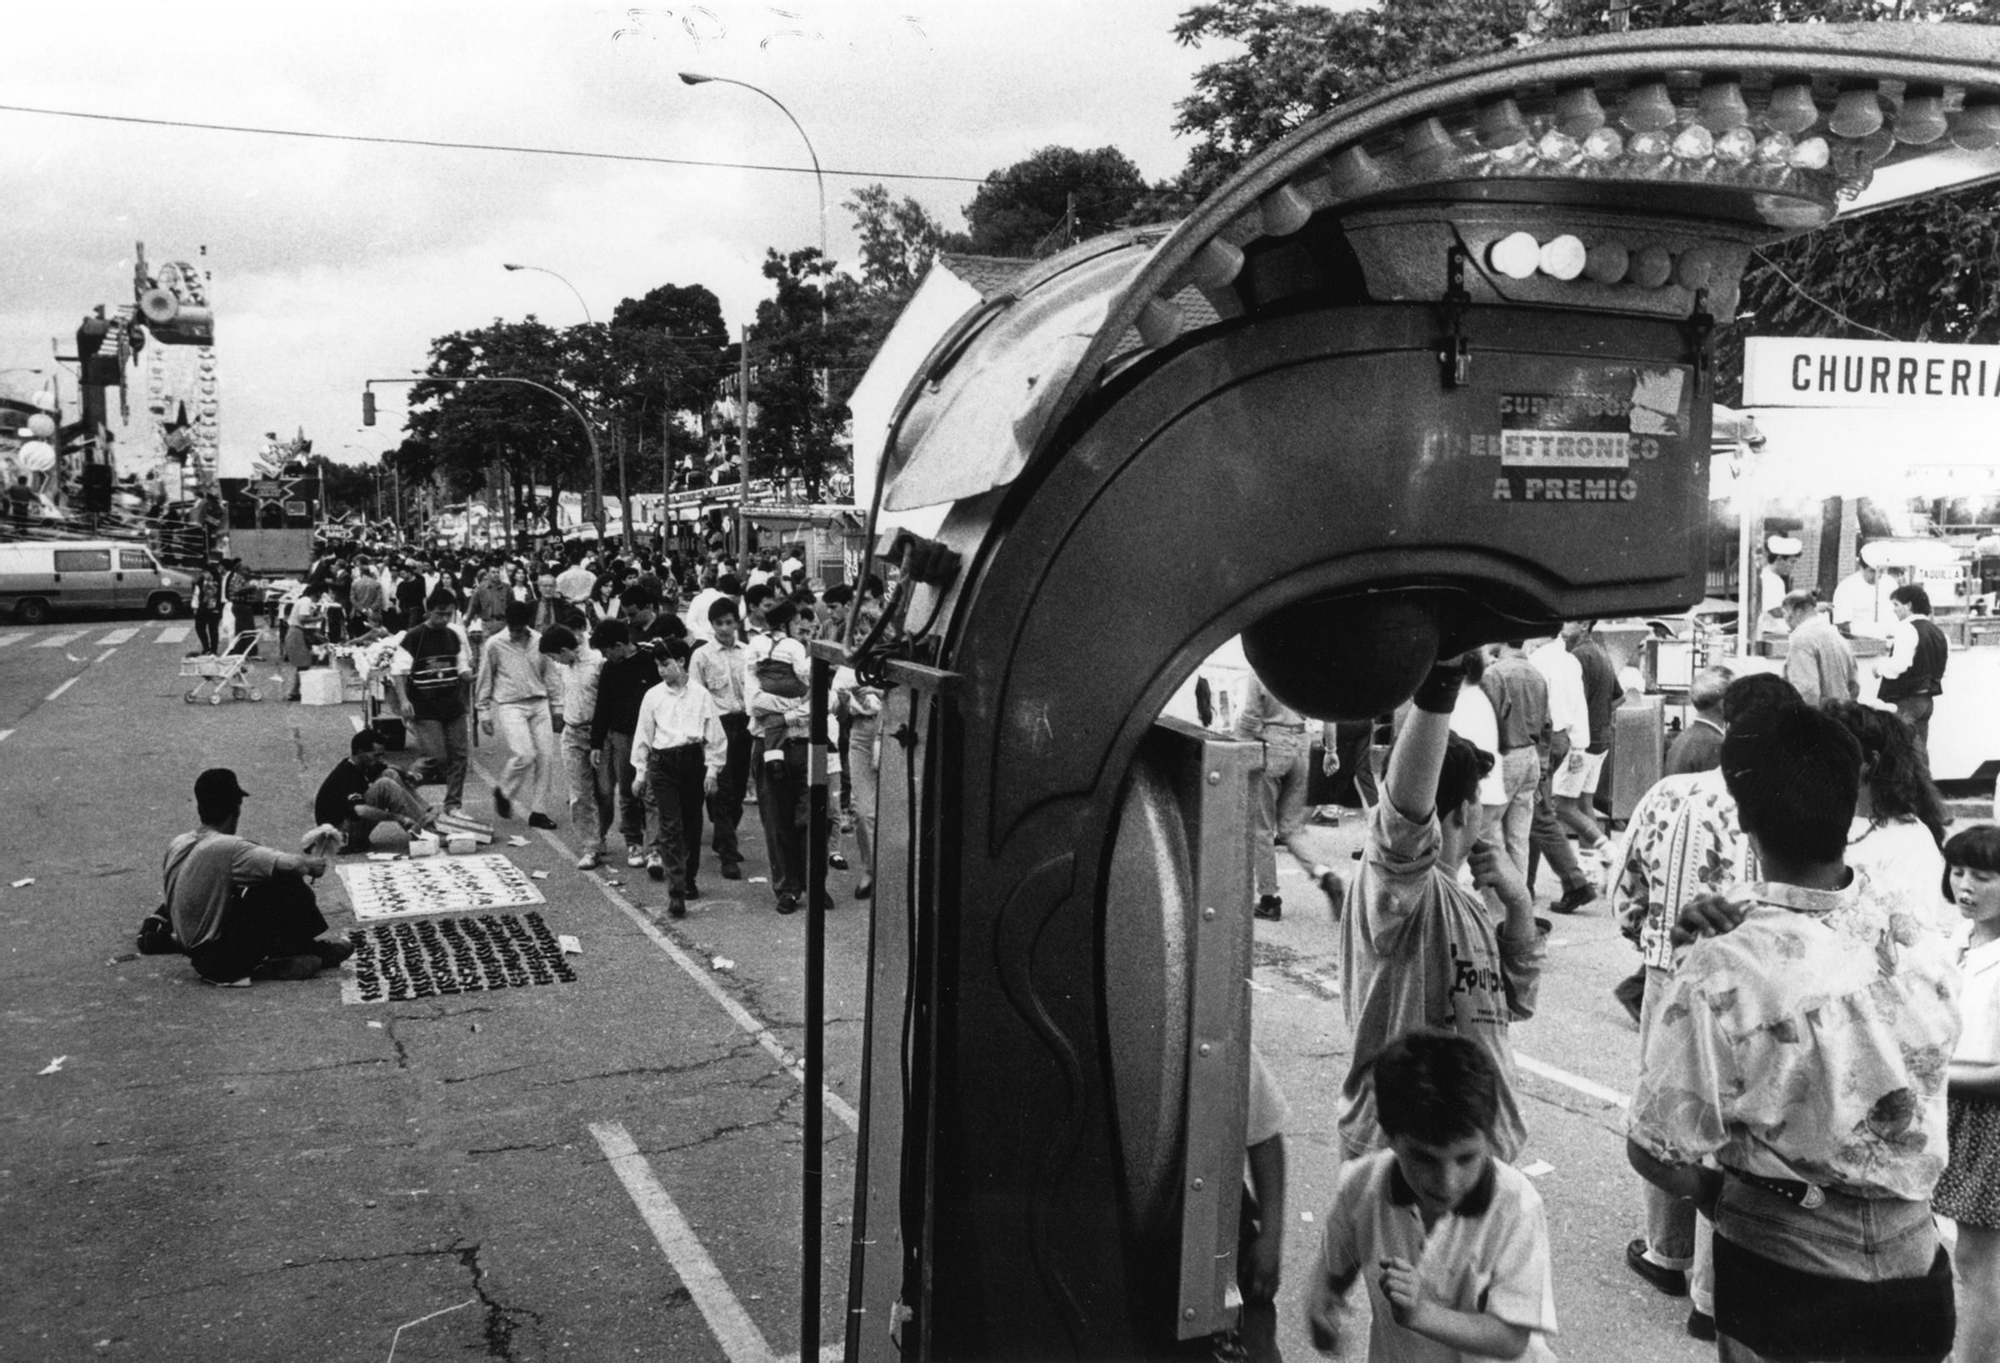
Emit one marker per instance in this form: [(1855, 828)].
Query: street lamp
[(742, 443), (543, 269)]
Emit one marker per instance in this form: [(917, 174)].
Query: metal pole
[(815, 1112), (624, 492), (743, 455)]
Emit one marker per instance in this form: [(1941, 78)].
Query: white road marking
[(1589, 1087), (62, 640), (6, 639), (60, 689), (731, 1325), (174, 634), (106, 654), (118, 636)]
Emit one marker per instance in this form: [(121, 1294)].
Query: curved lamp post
[(543, 269), (698, 78)]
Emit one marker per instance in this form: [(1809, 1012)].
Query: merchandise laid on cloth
[(395, 961), (409, 889)]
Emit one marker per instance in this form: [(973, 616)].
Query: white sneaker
[(635, 858), (589, 861)]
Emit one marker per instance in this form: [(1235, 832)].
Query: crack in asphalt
[(736, 1052), (483, 1074), (402, 1051), (501, 1320), (526, 1145)]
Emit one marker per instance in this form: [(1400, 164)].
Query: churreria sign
[(1788, 372)]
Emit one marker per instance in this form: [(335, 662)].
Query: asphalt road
[(598, 1170)]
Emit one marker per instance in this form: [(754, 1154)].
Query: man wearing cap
[(1817, 660), (1771, 584), (241, 911)]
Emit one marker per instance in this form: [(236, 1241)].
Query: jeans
[(864, 765), (391, 799), (1520, 770), (590, 798), (675, 775), (632, 808), (1676, 1233), (1546, 839), (1917, 711), (725, 807), (444, 741), (1281, 799), (524, 730)]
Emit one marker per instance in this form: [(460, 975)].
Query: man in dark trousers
[(629, 673), (241, 911), (1913, 673)]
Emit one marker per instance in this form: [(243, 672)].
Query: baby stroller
[(230, 669)]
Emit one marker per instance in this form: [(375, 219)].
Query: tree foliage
[(899, 240), (806, 356), (1053, 199)]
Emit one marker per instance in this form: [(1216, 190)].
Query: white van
[(39, 576)]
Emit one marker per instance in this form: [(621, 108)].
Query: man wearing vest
[(429, 674), (1913, 672)]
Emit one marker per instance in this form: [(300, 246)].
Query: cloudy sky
[(337, 261)]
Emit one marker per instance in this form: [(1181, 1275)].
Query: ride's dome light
[(1562, 257), (1578, 111), (1776, 150), (1604, 145), (1217, 264), (1812, 154), (1976, 127), (1792, 108), (1920, 121), (1516, 255), (1737, 147), (1650, 145), (1647, 107), (1284, 211), (1857, 112), (1500, 125), (1558, 147), (1693, 143), (1720, 107), (1652, 267), (1607, 262)]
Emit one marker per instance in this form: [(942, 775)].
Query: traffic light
[(368, 407), (97, 488)]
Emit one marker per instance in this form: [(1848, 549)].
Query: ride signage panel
[(1782, 371)]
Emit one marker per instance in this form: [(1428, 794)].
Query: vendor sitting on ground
[(364, 790), (242, 911)]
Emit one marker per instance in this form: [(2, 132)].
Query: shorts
[(1571, 783)]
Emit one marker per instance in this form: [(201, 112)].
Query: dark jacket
[(621, 686), (1925, 676)]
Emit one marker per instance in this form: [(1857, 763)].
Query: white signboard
[(1809, 372)]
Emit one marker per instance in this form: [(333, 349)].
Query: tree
[(899, 240), (1055, 198), (465, 430), (807, 354), (668, 350)]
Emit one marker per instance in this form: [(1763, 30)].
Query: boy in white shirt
[(678, 749), (1453, 1240)]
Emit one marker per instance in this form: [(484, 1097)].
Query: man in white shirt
[(778, 724), (726, 588), (590, 796), (518, 684), (721, 668), (1569, 728), (678, 749), (1857, 602), (575, 583)]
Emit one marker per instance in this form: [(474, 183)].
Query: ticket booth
[(1433, 372)]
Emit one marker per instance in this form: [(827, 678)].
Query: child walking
[(1969, 1191), (1452, 1240)]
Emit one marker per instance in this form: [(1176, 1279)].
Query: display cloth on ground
[(428, 885)]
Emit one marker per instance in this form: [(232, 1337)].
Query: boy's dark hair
[(728, 585), (1458, 778), (757, 594), (720, 607), (520, 614), (672, 650), (610, 634), (837, 595), (1795, 774), (1976, 848), (441, 599), (1757, 691), (366, 740), (1913, 596), (636, 597), (779, 616), (1436, 1087), (1899, 784), (556, 638)]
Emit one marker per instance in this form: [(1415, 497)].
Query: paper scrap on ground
[(539, 875), (759, 880), (1538, 1168), (24, 882), (1306, 1217), (382, 856), (516, 840), (53, 1065), (723, 963), (570, 945)]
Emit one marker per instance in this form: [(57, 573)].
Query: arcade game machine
[(1434, 371)]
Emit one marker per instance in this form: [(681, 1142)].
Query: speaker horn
[(159, 306)]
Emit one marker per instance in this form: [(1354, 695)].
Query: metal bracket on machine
[(1455, 352), (1701, 341)]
